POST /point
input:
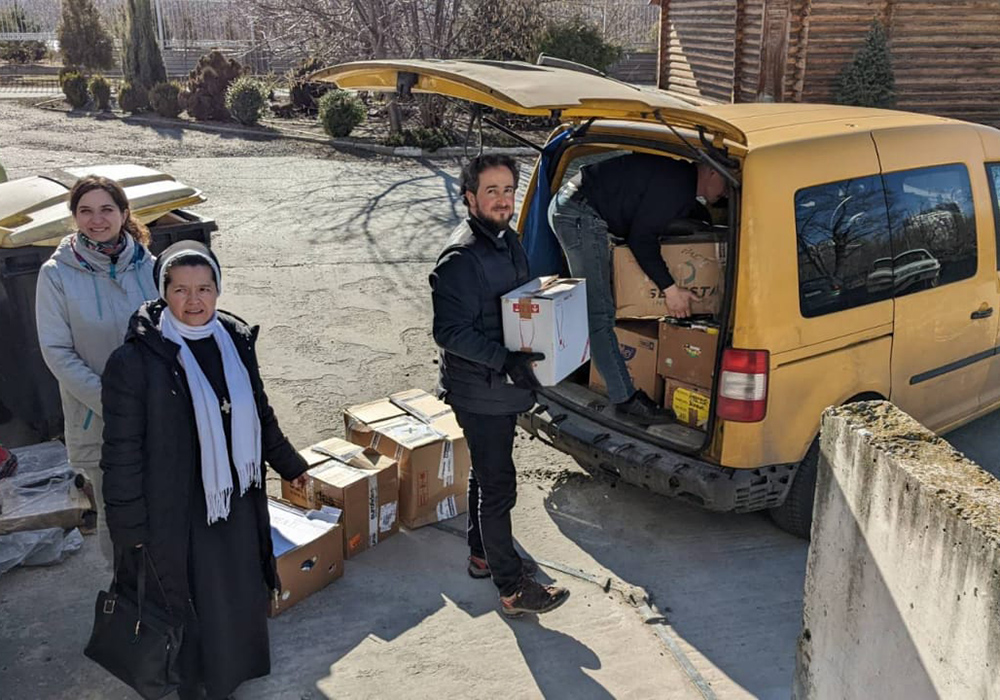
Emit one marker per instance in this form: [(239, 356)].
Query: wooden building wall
[(697, 48), (947, 58), (714, 49), (946, 53), (749, 42)]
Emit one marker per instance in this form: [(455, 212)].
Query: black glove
[(517, 366)]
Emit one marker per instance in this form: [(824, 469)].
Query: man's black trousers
[(492, 494)]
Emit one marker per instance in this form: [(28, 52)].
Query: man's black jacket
[(477, 267)]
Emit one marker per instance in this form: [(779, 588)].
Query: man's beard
[(496, 221), (500, 221)]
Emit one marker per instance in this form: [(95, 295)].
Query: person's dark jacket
[(151, 455), (638, 195), (476, 269)]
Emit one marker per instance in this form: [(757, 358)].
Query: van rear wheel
[(795, 514)]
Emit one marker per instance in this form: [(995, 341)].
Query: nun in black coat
[(188, 429)]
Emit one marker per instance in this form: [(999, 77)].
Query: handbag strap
[(148, 561), (159, 583), (119, 556)]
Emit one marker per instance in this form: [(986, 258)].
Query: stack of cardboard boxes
[(419, 432), (361, 484), (406, 462), (348, 504), (686, 360), (671, 361)]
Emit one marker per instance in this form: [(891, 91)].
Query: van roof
[(770, 124)]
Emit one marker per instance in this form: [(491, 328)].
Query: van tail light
[(743, 385)]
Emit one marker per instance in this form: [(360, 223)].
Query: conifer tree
[(83, 39), (142, 62), (868, 81)]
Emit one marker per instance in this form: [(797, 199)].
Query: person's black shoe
[(532, 597), (643, 409), (479, 568)]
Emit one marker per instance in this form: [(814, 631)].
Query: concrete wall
[(902, 593)]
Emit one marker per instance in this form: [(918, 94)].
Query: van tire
[(794, 516)]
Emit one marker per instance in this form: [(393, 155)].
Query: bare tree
[(350, 30), (337, 30)]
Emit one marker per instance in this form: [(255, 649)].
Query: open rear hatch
[(529, 90)]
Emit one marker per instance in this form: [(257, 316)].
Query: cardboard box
[(549, 315), (420, 432), (638, 342), (421, 405), (361, 483), (695, 262), (691, 404), (309, 554), (687, 351)]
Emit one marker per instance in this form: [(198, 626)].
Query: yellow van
[(861, 264)]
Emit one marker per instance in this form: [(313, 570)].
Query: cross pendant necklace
[(226, 406)]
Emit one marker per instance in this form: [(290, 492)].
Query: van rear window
[(844, 252)]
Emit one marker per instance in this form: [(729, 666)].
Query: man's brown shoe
[(532, 597)]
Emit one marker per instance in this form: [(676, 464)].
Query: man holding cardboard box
[(482, 261), (634, 197)]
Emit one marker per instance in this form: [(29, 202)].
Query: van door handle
[(982, 313)]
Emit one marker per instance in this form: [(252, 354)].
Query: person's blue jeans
[(583, 235)]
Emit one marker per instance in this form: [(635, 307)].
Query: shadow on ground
[(730, 585), (408, 599)]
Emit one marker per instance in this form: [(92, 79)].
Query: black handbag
[(133, 640)]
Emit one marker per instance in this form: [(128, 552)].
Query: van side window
[(993, 171), (844, 254), (933, 227)]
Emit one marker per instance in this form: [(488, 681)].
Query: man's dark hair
[(475, 167)]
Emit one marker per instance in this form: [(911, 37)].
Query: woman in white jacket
[(87, 292)]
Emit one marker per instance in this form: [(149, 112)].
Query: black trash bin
[(180, 225), (27, 388)]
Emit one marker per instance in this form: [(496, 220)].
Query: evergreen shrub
[(340, 112), (246, 100)]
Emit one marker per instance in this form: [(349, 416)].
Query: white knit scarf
[(215, 472)]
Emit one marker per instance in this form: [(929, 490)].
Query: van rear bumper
[(601, 449)]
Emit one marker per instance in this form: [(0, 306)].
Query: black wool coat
[(151, 454)]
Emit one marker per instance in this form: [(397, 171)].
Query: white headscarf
[(215, 472)]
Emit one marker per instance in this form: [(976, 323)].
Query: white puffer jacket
[(83, 306)]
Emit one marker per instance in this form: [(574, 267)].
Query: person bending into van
[(634, 197), (482, 261)]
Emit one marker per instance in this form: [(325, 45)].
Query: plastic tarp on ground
[(37, 547), (41, 506)]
